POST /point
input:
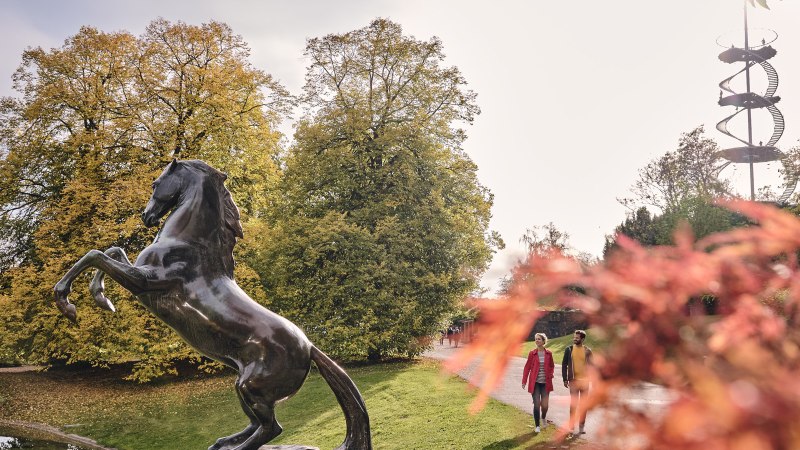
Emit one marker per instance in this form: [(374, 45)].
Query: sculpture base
[(287, 447)]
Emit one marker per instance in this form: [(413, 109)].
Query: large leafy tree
[(681, 185), (383, 226), (95, 121)]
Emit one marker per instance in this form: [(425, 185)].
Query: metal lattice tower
[(749, 101)]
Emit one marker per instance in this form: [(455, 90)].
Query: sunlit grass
[(411, 406)]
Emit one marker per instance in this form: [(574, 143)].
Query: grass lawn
[(559, 344), (411, 406)]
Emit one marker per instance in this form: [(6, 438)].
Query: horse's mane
[(232, 228)]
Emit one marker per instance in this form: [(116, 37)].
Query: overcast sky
[(576, 96)]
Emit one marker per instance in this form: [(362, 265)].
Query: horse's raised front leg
[(97, 286), (130, 277)]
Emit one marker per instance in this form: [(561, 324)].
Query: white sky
[(576, 95)]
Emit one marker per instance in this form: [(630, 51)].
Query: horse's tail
[(355, 411)]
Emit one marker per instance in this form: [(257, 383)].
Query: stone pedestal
[(287, 447)]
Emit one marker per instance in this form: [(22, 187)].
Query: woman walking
[(538, 376)]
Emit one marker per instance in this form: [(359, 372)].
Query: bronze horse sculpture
[(185, 278)]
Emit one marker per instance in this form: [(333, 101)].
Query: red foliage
[(735, 375)]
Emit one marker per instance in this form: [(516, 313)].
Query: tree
[(790, 170), (639, 226), (689, 171), (701, 215), (683, 186), (542, 240), (95, 122), (383, 225)]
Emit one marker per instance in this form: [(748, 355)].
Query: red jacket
[(532, 369)]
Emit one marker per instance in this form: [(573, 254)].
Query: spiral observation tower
[(751, 103)]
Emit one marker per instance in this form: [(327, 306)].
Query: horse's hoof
[(224, 444), (70, 311), (103, 302), (219, 446), (62, 302)]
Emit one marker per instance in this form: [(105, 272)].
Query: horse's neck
[(195, 218)]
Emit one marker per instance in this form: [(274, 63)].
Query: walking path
[(650, 397), (20, 369)]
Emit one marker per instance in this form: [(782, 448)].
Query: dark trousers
[(578, 392), (541, 401)]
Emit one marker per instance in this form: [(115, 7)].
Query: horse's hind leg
[(268, 430), (257, 389), (235, 439), (97, 286)]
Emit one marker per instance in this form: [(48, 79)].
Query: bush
[(737, 376)]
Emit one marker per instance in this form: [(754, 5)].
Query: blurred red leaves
[(735, 374)]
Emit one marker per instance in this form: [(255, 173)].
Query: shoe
[(582, 431), (537, 430), (544, 424)]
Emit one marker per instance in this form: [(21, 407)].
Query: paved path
[(20, 369), (648, 396)]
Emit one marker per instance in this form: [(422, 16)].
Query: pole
[(749, 110)]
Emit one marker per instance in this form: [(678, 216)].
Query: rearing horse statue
[(185, 278)]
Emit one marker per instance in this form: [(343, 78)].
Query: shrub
[(736, 375)]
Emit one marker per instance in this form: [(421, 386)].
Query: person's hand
[(523, 385), (566, 383)]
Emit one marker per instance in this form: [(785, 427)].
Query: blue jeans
[(541, 400)]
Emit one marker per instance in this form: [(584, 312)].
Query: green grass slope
[(411, 406)]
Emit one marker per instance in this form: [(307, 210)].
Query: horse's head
[(166, 191)]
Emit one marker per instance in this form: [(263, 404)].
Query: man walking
[(575, 372)]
